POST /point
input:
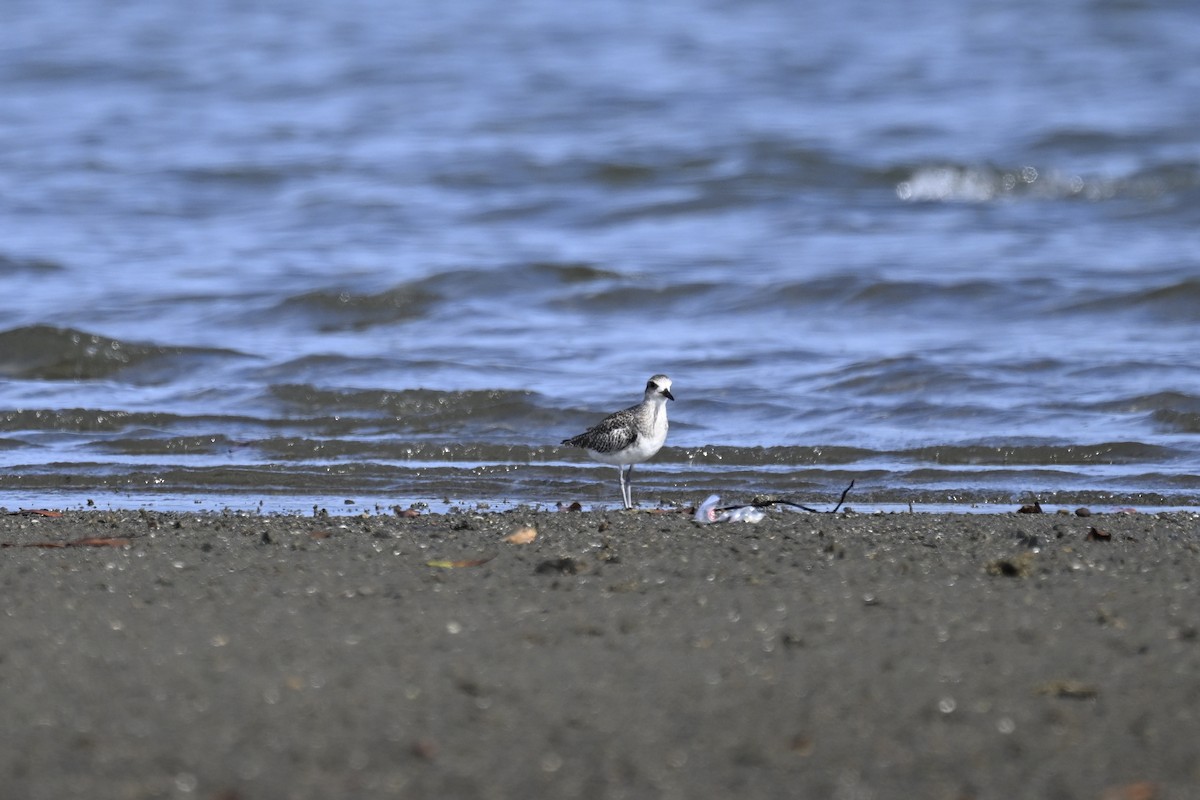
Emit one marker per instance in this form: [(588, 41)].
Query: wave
[(332, 310), (685, 178), (974, 455), (416, 411), (13, 265), (570, 288), (477, 444), (951, 299), (493, 427), (45, 352), (244, 484), (1176, 302), (876, 294), (718, 168), (1154, 402), (961, 183)]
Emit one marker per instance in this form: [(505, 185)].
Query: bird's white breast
[(652, 434)]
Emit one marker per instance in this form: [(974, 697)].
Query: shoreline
[(442, 497), (342, 505), (237, 655)]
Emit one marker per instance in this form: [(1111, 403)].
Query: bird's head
[(659, 385)]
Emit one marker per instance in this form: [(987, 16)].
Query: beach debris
[(101, 541), (709, 511), (1096, 535), (1032, 508), (87, 541), (425, 749), (1028, 539), (523, 535), (35, 512), (1083, 511), (1184, 633), (322, 533), (801, 745), (1075, 690), (744, 514), (576, 506), (1141, 790), (443, 563), (561, 566), (1019, 567)]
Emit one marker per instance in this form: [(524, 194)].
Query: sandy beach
[(616, 655)]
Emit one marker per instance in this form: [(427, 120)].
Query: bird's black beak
[(667, 394)]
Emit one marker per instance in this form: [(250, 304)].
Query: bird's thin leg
[(629, 486)]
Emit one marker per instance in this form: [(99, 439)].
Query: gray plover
[(630, 436)]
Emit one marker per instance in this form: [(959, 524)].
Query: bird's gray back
[(615, 432)]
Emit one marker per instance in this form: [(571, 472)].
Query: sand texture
[(617, 654)]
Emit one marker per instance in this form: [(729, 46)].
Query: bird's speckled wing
[(614, 432)]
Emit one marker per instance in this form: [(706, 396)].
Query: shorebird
[(630, 436)]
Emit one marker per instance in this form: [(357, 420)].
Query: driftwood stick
[(780, 502)]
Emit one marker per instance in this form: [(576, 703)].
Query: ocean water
[(297, 252)]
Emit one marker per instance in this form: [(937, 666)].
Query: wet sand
[(617, 655)]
